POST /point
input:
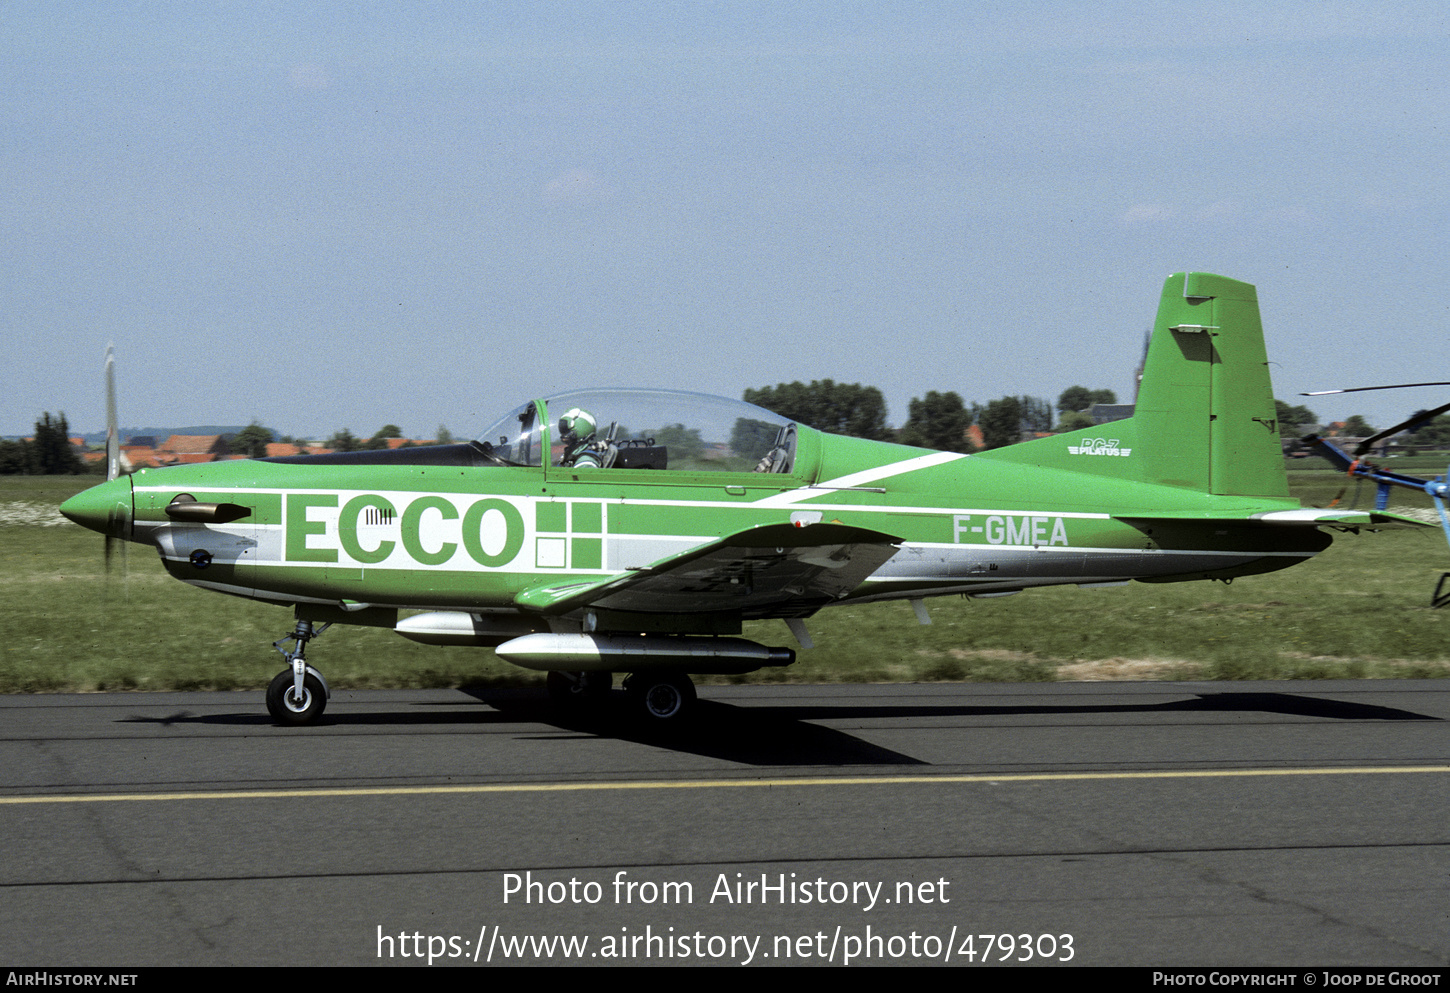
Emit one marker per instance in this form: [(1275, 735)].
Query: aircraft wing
[(776, 570)]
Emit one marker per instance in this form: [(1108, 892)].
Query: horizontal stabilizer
[(1306, 517), (1342, 518)]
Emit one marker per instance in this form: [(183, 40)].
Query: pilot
[(576, 431)]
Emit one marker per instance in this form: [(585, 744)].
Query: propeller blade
[(113, 543), (113, 437), (113, 459)]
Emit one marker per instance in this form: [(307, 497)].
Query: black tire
[(663, 697), (571, 689), (285, 709)]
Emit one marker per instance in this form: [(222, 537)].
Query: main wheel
[(284, 705), (574, 688), (663, 696)]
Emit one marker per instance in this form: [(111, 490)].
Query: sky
[(352, 214)]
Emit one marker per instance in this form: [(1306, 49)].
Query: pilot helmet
[(578, 423)]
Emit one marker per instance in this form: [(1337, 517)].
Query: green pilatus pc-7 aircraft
[(641, 546)]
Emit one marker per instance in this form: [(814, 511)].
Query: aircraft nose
[(105, 508)]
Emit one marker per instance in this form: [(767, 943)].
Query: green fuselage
[(653, 517), (479, 537)]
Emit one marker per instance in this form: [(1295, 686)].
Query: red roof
[(191, 443)]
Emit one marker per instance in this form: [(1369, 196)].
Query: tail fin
[(1205, 417)]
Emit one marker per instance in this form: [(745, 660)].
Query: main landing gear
[(660, 696), (298, 694)]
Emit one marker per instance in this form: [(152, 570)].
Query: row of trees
[(253, 440), (836, 408), (937, 420), (941, 420), (1296, 420), (1431, 434), (1434, 433), (345, 441), (49, 453)]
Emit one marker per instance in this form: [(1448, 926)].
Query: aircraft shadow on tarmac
[(753, 736), (785, 735)]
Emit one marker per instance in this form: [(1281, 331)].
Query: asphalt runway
[(1149, 824)]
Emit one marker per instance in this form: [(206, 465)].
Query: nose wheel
[(287, 706)]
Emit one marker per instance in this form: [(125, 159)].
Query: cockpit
[(644, 430), (610, 429)]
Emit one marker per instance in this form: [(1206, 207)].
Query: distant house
[(194, 444), (283, 450), (1106, 413), (135, 457), (179, 449)]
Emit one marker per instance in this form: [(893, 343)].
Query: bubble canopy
[(649, 429)]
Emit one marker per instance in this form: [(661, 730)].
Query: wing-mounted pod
[(618, 652)]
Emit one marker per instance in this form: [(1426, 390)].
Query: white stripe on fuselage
[(861, 478)]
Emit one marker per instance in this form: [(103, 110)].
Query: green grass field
[(1361, 609)]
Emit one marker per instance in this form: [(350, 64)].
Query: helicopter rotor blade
[(1420, 418), (1365, 389)]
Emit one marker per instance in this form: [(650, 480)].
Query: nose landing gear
[(298, 694)]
